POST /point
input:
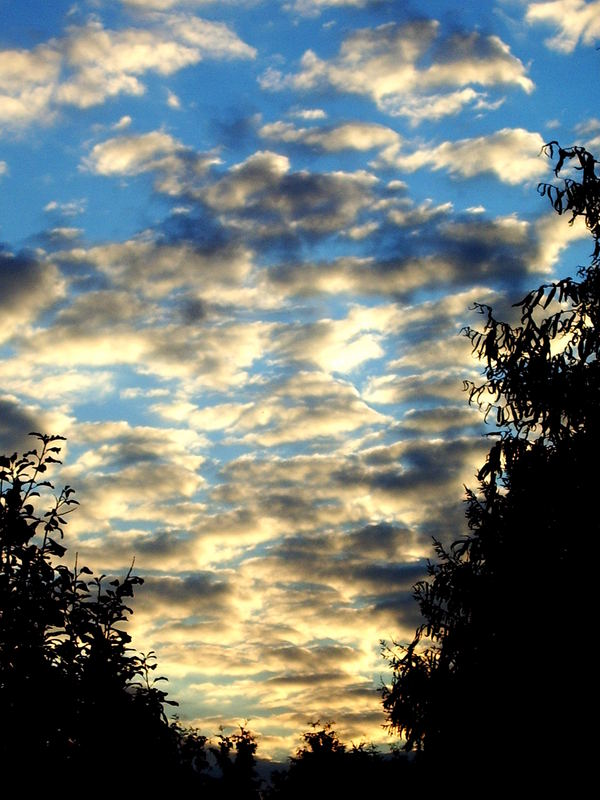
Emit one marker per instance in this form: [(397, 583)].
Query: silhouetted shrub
[(325, 767), (72, 692)]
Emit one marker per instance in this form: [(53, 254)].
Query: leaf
[(55, 548)]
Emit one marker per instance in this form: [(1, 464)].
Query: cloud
[(350, 136), (91, 63), (71, 208), (262, 197), (27, 81), (576, 20), (214, 355), (438, 249), (324, 491), (18, 419), (122, 123), (65, 385), (259, 197), (415, 216), (339, 345), (163, 5), (314, 7), (173, 101), (155, 270), (130, 473), (106, 63), (178, 167), (513, 155), (188, 339), (589, 130), (27, 287), (309, 113), (408, 71), (309, 406)]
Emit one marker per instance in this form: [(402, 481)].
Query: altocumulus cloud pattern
[(239, 242)]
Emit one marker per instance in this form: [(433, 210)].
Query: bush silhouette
[(72, 692), (492, 680), (326, 767)]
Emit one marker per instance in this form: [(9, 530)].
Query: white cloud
[(309, 113), (64, 233), (389, 64), (411, 215), (164, 5), (554, 234), (122, 123), (308, 406), (513, 155), (27, 79), (350, 136), (576, 20), (313, 7), (173, 101), (177, 167), (131, 155), (70, 208), (589, 130), (91, 63), (339, 345)]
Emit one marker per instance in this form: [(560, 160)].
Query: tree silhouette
[(326, 767), (72, 693), (493, 681), (238, 770)]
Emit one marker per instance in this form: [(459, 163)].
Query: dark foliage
[(73, 695), (325, 767), (495, 680), (235, 758)]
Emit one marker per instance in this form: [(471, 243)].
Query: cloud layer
[(241, 242)]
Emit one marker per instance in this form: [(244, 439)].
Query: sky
[(238, 243)]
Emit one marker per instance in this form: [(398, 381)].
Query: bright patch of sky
[(239, 242)]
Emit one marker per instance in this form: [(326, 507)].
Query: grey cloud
[(309, 679), (201, 594), (262, 197), (16, 422), (449, 251), (155, 269), (28, 286), (425, 467), (285, 655), (380, 540), (442, 419)]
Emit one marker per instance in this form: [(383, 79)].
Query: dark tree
[(326, 767), (496, 681), (235, 757), (73, 694)]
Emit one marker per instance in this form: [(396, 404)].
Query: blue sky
[(239, 242)]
